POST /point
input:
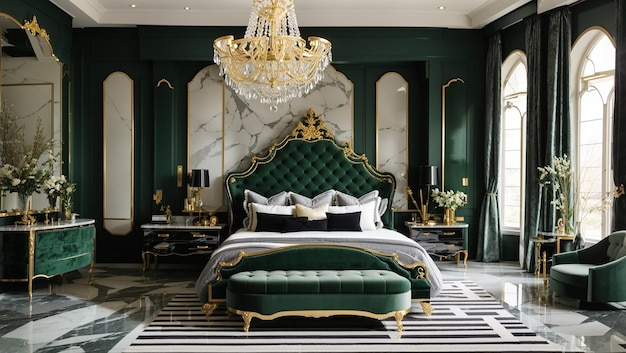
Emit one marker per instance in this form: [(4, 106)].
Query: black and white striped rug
[(465, 319)]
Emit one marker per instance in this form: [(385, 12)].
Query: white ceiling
[(310, 13)]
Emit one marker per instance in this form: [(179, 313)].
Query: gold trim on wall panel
[(392, 107), (443, 128), (117, 170), (223, 139), (165, 81), (28, 72)]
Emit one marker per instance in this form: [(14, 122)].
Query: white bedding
[(383, 240)]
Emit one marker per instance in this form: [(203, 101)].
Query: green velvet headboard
[(308, 161)]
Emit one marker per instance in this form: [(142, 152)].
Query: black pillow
[(318, 224), (294, 224), (268, 222), (344, 221), (297, 224)]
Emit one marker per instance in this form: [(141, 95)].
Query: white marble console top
[(438, 226), (179, 226), (52, 225)]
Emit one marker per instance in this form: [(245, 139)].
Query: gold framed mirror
[(31, 86)]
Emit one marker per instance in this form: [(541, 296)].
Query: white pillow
[(343, 199), (249, 196), (312, 214), (323, 198), (271, 209), (368, 213)]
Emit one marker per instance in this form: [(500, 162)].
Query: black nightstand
[(178, 240), (441, 240)]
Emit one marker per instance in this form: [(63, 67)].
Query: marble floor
[(70, 315)]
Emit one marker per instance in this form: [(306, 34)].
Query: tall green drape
[(559, 119), (619, 117), (489, 248), (533, 128), (549, 123)]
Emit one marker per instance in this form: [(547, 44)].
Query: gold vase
[(67, 212), (448, 216)]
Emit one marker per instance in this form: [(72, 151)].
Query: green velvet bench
[(241, 296), (268, 295)]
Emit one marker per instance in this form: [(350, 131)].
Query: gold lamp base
[(426, 217), (206, 221)]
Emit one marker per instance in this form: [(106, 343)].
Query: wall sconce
[(427, 176)]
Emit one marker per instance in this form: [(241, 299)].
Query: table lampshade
[(199, 178), (427, 175)]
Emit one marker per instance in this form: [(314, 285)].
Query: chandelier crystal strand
[(272, 63)]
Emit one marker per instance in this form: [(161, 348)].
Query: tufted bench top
[(319, 282)]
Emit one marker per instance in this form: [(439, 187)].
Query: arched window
[(593, 63), (513, 142)]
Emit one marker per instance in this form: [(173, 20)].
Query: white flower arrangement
[(54, 185), (560, 177), (573, 204), (449, 199), (24, 180)]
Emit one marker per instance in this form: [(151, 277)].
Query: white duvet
[(383, 240)]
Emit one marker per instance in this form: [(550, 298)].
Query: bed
[(310, 189)]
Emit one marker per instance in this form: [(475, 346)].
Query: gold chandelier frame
[(272, 63)]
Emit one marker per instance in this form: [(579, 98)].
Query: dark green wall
[(429, 57)]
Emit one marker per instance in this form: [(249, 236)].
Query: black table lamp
[(199, 180)]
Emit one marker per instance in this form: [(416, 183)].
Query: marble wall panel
[(118, 153), (225, 130), (392, 123), (205, 132)]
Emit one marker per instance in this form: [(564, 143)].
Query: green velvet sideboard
[(45, 250)]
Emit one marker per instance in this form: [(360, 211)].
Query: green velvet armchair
[(595, 274)]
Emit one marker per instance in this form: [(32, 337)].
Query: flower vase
[(448, 216), (23, 202), (52, 202), (67, 213)]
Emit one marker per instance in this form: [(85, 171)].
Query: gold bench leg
[(427, 308), (208, 309), (399, 316), (247, 317)]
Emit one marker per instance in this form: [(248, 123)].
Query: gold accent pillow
[(312, 214)]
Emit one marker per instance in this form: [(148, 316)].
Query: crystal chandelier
[(272, 62)]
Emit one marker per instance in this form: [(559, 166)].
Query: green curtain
[(619, 117), (559, 119), (489, 247), (549, 122), (532, 196)]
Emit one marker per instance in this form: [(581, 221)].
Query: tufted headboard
[(308, 161)]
